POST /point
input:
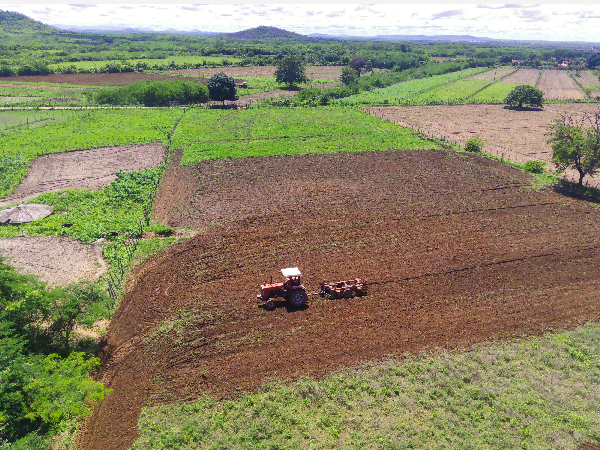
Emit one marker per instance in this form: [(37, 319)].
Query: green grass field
[(70, 130), (214, 134), (454, 93), (27, 96), (494, 94), (403, 93), (536, 393)]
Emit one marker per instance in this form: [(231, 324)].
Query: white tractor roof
[(291, 272)]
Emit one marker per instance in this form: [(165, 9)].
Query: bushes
[(474, 144), (154, 93)]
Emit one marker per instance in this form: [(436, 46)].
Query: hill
[(20, 27), (264, 32)]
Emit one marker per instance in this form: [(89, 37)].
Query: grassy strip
[(81, 130), (213, 134), (401, 93), (494, 94), (453, 93), (536, 393)]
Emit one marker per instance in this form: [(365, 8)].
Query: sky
[(526, 21)]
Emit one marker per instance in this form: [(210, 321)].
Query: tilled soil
[(518, 136), (456, 250), (84, 169), (57, 260)]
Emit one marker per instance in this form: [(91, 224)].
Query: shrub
[(525, 94), (474, 144), (534, 166)]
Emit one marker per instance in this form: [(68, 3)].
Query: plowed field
[(457, 249)]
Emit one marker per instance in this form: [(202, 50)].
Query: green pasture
[(176, 60), (262, 84), (18, 95), (26, 118), (403, 93), (70, 130), (536, 393), (214, 134), (453, 93), (494, 94)]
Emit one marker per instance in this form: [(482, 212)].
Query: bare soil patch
[(523, 76), (83, 169), (56, 260), (588, 80), (518, 135), (558, 85), (312, 72), (456, 249), (94, 79)]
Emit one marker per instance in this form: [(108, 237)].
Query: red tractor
[(291, 290)]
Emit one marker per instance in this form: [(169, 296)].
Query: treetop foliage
[(290, 71), (525, 94), (221, 87), (576, 143)]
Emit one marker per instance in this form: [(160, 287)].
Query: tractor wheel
[(359, 293), (348, 293), (270, 306), (298, 298)]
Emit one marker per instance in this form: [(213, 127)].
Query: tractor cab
[(291, 289)]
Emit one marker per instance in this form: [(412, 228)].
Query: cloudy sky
[(556, 22)]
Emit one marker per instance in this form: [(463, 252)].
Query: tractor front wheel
[(270, 306), (298, 298)]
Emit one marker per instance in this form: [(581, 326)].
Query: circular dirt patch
[(56, 260)]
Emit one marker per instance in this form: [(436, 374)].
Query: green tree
[(525, 94), (357, 63), (290, 71), (221, 88), (594, 61), (575, 145), (349, 76)]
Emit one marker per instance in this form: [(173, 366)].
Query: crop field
[(558, 85), (328, 73), (523, 76), (590, 83), (457, 249), (493, 74), (90, 79), (518, 136), (494, 94), (206, 60), (406, 91), (25, 95), (456, 92), (213, 134)]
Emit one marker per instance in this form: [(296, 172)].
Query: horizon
[(522, 22)]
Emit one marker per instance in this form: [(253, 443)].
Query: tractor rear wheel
[(298, 298)]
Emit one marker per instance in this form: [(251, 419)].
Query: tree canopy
[(575, 145), (357, 63), (525, 94), (349, 76), (290, 71), (221, 87)]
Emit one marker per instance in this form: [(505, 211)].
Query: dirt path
[(56, 260), (84, 169), (456, 248)]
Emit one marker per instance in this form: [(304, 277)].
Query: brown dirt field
[(493, 74), (519, 135), (83, 169), (558, 85), (93, 79), (313, 72), (523, 76), (456, 249), (588, 80), (56, 260)]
